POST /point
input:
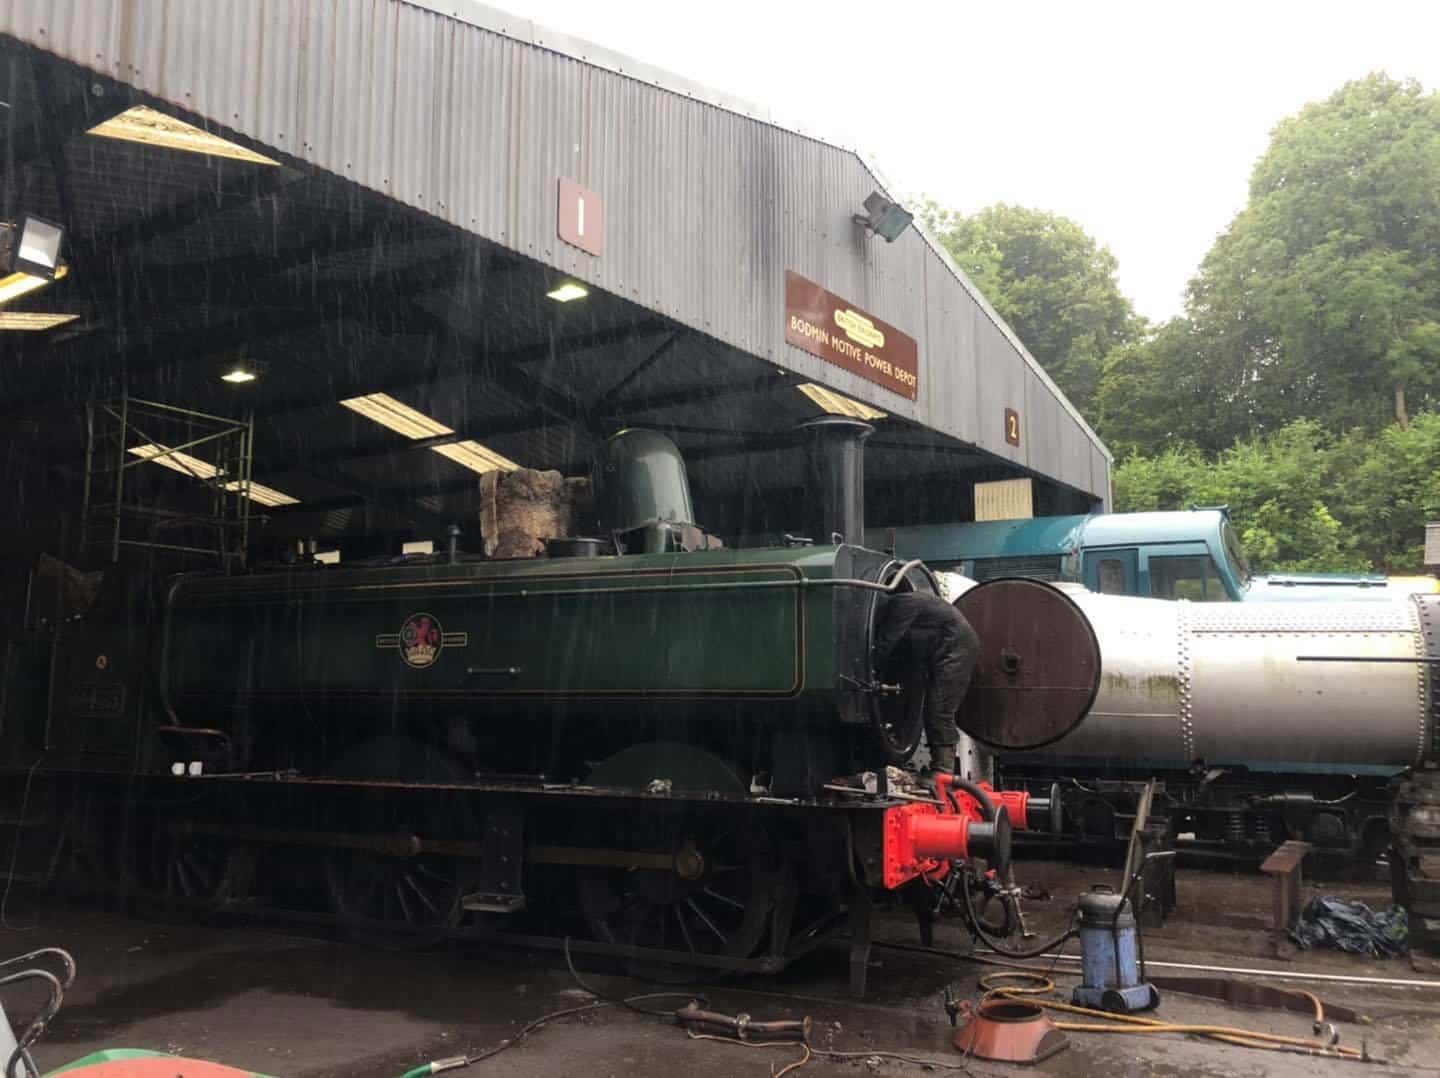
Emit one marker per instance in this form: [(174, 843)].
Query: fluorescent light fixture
[(259, 492), (568, 291), (838, 403), (176, 461), (328, 557), (476, 457), (31, 321), (419, 546), (20, 283), (196, 468), (239, 375), (153, 128), (388, 412)]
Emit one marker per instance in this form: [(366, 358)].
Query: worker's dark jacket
[(937, 639)]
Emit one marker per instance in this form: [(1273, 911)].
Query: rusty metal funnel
[(1010, 1031)]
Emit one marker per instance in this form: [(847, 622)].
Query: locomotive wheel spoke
[(177, 872), (369, 889), (718, 897), (421, 895), (404, 906), (706, 921), (684, 929)]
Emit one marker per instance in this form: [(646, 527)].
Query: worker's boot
[(942, 760)]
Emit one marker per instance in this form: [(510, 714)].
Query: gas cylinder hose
[(979, 930)]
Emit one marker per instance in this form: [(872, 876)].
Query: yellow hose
[(1129, 1023)]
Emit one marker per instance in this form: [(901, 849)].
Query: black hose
[(987, 806), (979, 929)]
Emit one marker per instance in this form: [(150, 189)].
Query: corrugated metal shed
[(472, 116)]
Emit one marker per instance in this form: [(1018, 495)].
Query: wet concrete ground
[(258, 996)]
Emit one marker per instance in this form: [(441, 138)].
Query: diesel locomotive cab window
[(1112, 577), (1235, 551), (1192, 576)]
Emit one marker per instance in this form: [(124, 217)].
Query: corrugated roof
[(470, 116)]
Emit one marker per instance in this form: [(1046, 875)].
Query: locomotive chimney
[(835, 489)]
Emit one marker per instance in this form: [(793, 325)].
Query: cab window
[(1235, 551), (1112, 576), (1190, 576)]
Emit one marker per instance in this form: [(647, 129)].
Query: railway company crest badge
[(420, 640)]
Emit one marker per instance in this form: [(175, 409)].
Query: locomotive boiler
[(1316, 721), (1311, 688)]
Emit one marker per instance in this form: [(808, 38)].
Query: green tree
[(1048, 278), (1386, 488), (1165, 389), (1322, 299), (1281, 489)]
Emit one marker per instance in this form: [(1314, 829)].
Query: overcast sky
[(1139, 120)]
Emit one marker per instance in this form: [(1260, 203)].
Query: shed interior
[(186, 266)]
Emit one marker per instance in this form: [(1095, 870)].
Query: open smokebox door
[(1039, 665)]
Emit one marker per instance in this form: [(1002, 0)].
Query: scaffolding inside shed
[(210, 521)]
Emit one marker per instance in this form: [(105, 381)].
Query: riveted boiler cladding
[(1263, 722)]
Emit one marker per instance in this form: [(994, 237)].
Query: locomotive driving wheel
[(704, 882), (385, 887), (177, 870), (394, 899)]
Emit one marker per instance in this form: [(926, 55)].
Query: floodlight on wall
[(568, 292), (37, 248), (29, 256), (154, 128), (883, 217)]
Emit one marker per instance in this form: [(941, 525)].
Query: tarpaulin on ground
[(1351, 926)]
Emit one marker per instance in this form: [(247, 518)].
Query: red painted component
[(937, 837), (157, 1066), (1016, 803), (921, 838)]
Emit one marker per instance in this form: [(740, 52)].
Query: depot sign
[(838, 332)]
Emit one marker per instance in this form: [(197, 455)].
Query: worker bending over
[(937, 644)]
